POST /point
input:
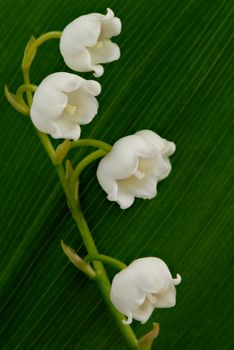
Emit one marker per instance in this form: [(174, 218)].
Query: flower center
[(99, 44), (70, 109), (139, 174)]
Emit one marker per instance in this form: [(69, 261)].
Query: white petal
[(63, 81), (47, 106), (122, 161), (86, 106), (83, 31), (76, 38), (49, 113), (66, 131), (78, 58), (154, 141), (176, 281), (109, 14), (145, 284), (167, 298), (136, 164), (106, 52), (151, 275), (145, 188), (157, 167), (125, 199), (98, 70), (108, 184), (129, 318), (92, 87), (125, 302), (50, 99), (110, 26), (143, 312), (80, 41)]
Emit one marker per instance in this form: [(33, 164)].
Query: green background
[(175, 77)]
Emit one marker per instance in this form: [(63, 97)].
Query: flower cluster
[(131, 169), (64, 101)]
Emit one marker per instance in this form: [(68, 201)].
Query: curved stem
[(119, 265), (92, 143), (101, 279), (86, 161), (25, 87), (26, 75), (29, 55), (33, 44), (45, 37), (22, 89), (74, 179)]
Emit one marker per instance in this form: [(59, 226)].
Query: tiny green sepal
[(146, 342), (78, 262), (13, 100)]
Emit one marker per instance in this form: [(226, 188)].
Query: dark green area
[(175, 77)]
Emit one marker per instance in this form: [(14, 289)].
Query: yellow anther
[(70, 109), (99, 44)]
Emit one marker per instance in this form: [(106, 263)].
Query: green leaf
[(175, 76)]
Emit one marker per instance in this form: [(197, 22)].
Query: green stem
[(22, 89), (25, 87), (86, 161), (92, 143), (32, 46), (26, 75), (74, 178), (101, 279), (30, 54), (45, 37), (119, 265)]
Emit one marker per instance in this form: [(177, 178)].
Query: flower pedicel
[(130, 168)]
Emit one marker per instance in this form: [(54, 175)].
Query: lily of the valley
[(144, 285), (85, 43), (63, 102), (134, 166)]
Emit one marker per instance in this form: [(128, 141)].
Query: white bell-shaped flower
[(144, 285), (134, 166), (63, 102), (85, 42)]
